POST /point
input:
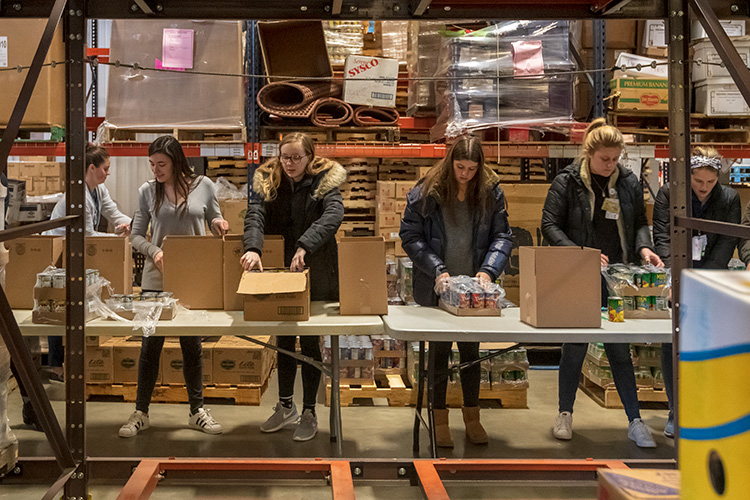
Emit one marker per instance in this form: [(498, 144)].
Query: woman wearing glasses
[(297, 196)]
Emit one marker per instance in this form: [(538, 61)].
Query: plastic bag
[(7, 437), (465, 292), (621, 276), (49, 296), (736, 265), (225, 190)]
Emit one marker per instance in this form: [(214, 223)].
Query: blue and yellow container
[(714, 397)]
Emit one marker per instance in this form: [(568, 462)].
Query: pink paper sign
[(177, 48), (158, 65), (527, 59)]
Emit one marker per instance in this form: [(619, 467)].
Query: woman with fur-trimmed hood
[(455, 223), (297, 195)]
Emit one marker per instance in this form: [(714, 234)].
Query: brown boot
[(442, 431), (474, 430)]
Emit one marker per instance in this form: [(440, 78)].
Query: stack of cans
[(464, 292)]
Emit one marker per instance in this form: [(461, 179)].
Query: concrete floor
[(369, 432)]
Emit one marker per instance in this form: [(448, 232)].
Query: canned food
[(662, 303), (659, 279), (44, 280), (477, 300), (58, 281), (652, 303), (464, 299), (616, 309), (641, 303), (646, 280), (628, 303)]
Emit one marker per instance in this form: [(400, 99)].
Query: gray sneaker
[(639, 432), (281, 418), (307, 427)]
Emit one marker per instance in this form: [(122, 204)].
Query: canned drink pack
[(659, 279), (616, 309), (477, 299)]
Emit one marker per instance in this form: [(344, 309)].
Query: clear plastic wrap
[(50, 300), (225, 190), (7, 437), (395, 39), (645, 290), (343, 38), (144, 310), (405, 275), (423, 43), (480, 90), (355, 356), (144, 99), (464, 292)]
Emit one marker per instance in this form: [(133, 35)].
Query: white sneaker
[(203, 421), (563, 426), (282, 416), (639, 432), (137, 422), (307, 427)]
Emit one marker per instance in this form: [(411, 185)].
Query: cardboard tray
[(469, 311)]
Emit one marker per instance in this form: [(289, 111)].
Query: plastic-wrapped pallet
[(7, 437), (485, 85), (343, 38), (423, 43), (395, 39)]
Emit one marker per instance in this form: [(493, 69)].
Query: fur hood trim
[(328, 175)]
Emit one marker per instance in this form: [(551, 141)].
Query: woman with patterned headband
[(710, 201)]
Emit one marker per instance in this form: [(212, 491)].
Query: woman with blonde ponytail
[(598, 203)]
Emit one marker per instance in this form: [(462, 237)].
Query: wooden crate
[(249, 395)]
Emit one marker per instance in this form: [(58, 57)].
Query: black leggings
[(288, 367), (470, 377)]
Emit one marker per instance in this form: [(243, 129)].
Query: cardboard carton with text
[(273, 256), (237, 361), (113, 257), (276, 295), (560, 286), (27, 257)]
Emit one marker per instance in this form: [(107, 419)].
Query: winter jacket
[(317, 200), (723, 204), (423, 238), (568, 211), (744, 245)]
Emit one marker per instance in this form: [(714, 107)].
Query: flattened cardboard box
[(193, 270), (560, 286), (362, 288), (29, 256), (273, 256), (276, 295), (237, 361)]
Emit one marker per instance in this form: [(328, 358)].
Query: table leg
[(430, 400), (335, 413), (420, 399)]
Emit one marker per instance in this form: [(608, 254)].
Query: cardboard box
[(390, 233), (45, 106), (208, 361), (640, 94), (304, 55), (52, 169), (276, 295), (386, 189), (237, 361), (403, 188), (362, 288), (125, 355), (234, 212), (14, 170), (16, 191), (99, 363), (560, 286), (638, 484), (706, 53), (652, 38), (193, 270), (386, 205), (720, 97), (113, 257), (387, 219), (27, 257), (55, 185), (273, 256), (29, 169), (400, 207), (714, 373), (370, 92), (96, 340), (731, 28), (620, 34)]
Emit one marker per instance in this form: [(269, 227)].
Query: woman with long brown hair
[(296, 195), (455, 223), (175, 202)]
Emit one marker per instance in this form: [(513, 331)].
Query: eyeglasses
[(293, 159)]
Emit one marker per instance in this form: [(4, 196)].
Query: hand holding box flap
[(265, 283)]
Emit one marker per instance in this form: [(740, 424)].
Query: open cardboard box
[(276, 295), (273, 256)]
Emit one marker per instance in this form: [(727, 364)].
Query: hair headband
[(705, 161)]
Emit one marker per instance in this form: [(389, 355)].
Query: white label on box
[(3, 51), (655, 34), (236, 150), (268, 149), (207, 150), (727, 102)]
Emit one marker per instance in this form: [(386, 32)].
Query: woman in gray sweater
[(176, 202)]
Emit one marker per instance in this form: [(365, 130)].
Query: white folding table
[(425, 324), (324, 320)]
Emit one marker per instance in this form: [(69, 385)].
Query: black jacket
[(567, 216), (723, 204), (423, 238), (307, 216), (744, 245)]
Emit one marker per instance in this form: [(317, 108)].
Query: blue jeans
[(622, 371)]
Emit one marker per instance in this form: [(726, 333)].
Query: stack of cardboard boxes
[(41, 175), (391, 200)]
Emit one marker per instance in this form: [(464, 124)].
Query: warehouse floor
[(370, 432)]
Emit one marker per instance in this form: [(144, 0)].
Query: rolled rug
[(331, 112), (368, 116), (294, 99)]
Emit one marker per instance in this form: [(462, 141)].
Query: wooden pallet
[(249, 395), (337, 134), (390, 388), (148, 134), (608, 397), (506, 398)]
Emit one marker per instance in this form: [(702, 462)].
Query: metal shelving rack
[(73, 466)]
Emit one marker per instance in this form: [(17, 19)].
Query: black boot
[(29, 416)]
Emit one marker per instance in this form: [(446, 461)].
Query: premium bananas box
[(714, 398)]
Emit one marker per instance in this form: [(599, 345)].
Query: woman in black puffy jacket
[(456, 211), (596, 202)]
